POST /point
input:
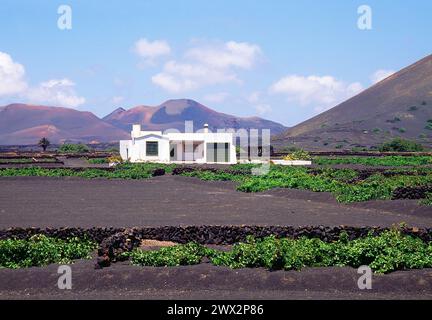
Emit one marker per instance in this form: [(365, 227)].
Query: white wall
[(125, 147), (139, 147), (135, 149)]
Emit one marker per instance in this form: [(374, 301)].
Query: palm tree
[(44, 143)]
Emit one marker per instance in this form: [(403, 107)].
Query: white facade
[(195, 147)]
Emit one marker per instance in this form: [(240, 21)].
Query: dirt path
[(174, 200), (204, 281)]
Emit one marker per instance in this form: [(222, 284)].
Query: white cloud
[(11, 76), (151, 50), (230, 54), (262, 109), (216, 97), (324, 92), (381, 74), (254, 97), (56, 92), (117, 99), (171, 84), (181, 77), (207, 65)]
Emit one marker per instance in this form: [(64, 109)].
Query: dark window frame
[(154, 152)]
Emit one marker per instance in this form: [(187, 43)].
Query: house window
[(152, 148), (218, 152)]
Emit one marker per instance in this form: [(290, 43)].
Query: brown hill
[(22, 124), (173, 114), (399, 105), (26, 124)]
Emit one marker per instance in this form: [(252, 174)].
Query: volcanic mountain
[(174, 113), (22, 124), (398, 106)]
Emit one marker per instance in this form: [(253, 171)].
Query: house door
[(218, 152), (173, 152)]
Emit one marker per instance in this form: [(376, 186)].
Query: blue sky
[(282, 60)]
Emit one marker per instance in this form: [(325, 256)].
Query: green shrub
[(122, 171), (40, 250), (336, 181), (178, 255), (344, 184), (73, 148), (28, 160), (97, 160), (401, 145), (298, 155), (389, 251), (376, 161)]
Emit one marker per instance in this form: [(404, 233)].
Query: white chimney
[(136, 130), (206, 128)]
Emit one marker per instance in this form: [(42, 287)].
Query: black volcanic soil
[(176, 200), (205, 281)]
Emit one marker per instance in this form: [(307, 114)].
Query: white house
[(194, 147)]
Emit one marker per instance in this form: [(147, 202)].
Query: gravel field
[(176, 200)]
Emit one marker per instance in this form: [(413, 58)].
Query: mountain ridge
[(397, 106), (25, 124), (173, 113)]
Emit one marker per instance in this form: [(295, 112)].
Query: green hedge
[(401, 145), (98, 160), (344, 184), (337, 181), (393, 161), (123, 171), (179, 255), (387, 252), (73, 148), (40, 250)]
